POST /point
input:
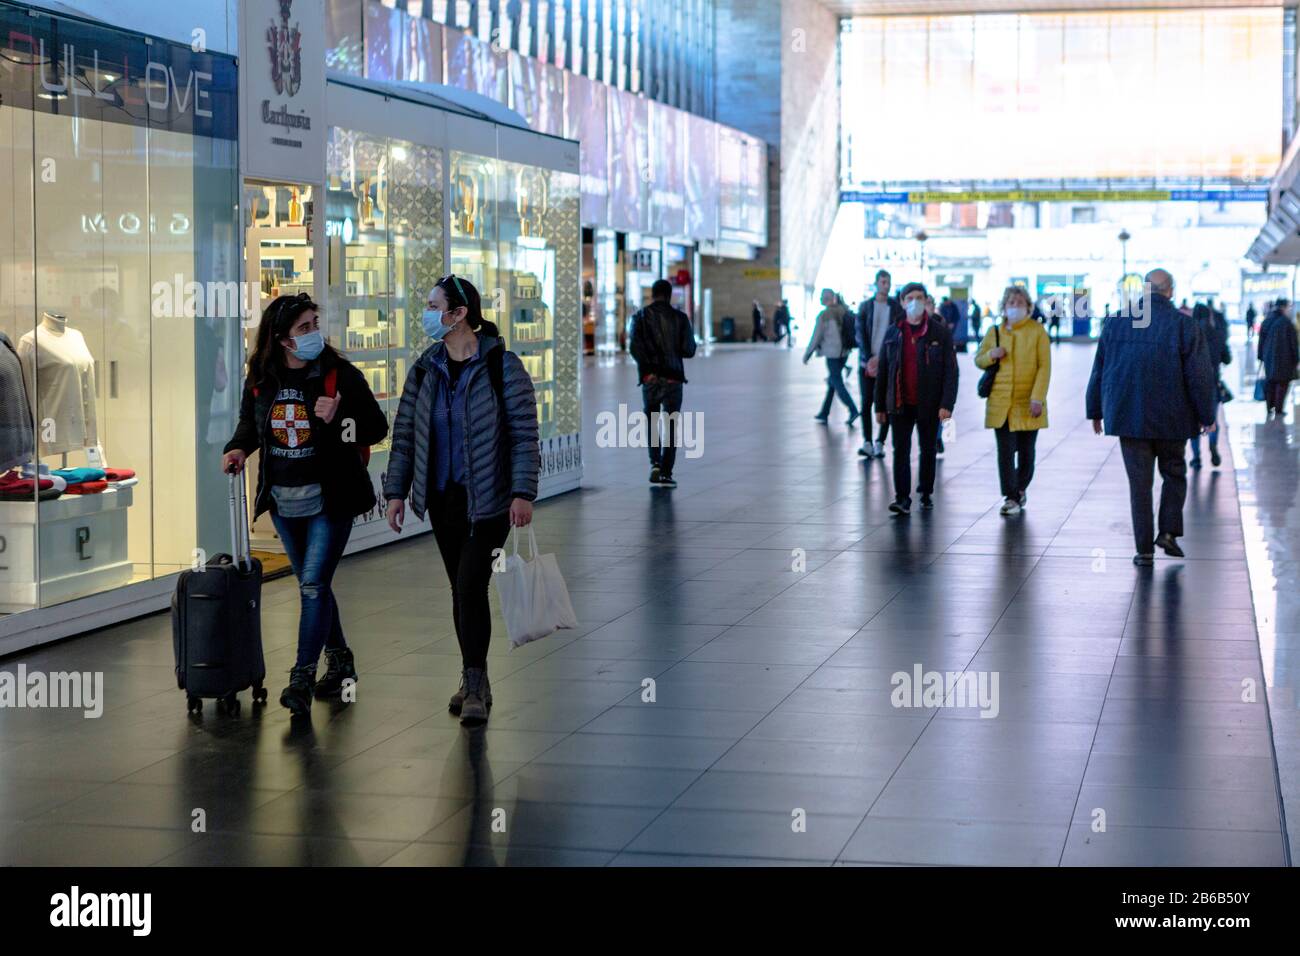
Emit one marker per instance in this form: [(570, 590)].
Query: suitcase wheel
[(193, 705), (259, 694), (228, 704)]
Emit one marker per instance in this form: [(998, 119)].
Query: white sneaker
[(879, 448), (1024, 498), (1009, 507)]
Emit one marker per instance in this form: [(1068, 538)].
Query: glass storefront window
[(119, 296), (384, 234)]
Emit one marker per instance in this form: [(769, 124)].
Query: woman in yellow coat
[(1017, 406)]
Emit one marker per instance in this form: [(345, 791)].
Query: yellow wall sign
[(770, 272)]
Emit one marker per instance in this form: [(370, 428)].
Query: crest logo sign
[(283, 43)]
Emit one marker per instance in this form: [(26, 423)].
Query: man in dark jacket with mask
[(1153, 386), (660, 338), (916, 389)]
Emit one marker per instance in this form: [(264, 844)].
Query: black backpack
[(848, 335)]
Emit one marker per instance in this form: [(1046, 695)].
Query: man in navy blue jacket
[(1153, 386)]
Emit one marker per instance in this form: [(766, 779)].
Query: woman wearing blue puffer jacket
[(465, 450)]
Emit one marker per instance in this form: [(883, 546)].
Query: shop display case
[(515, 235), (384, 236)]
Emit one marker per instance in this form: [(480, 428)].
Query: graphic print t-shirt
[(291, 449)]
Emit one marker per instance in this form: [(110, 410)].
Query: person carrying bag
[(465, 448), (1017, 371)]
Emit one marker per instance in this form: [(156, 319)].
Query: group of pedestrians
[(465, 439), (1154, 385)]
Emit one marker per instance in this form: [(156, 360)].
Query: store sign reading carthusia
[(282, 76), (67, 67)]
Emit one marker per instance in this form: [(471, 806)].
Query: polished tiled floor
[(1121, 737)]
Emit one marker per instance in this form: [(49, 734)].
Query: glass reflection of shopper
[(1016, 407), (309, 412), (465, 450)]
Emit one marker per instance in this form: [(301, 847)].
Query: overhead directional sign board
[(1059, 195)]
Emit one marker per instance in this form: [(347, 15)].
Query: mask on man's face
[(915, 308)]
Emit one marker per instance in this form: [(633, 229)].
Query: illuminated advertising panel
[(1051, 96)]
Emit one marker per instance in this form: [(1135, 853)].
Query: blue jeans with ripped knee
[(314, 546)]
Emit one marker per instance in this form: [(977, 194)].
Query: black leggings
[(467, 553)]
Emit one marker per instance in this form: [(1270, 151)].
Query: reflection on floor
[(771, 601)]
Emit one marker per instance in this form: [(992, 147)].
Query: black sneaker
[(667, 481), (901, 506), (1196, 463), (654, 475), (1144, 560), (339, 667), (853, 419), (1215, 458), (926, 502), (297, 696)]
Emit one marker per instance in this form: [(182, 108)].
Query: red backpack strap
[(331, 383)]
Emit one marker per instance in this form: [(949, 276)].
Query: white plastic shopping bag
[(534, 597)]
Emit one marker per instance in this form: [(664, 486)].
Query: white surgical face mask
[(914, 308), (1016, 313)]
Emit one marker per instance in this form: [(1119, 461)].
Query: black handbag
[(985, 387), (1225, 395)]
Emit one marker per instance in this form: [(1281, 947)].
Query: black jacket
[(660, 338), (936, 370), (345, 481), (1152, 374), (864, 324), (1277, 348)]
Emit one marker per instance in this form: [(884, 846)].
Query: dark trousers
[(926, 424), (867, 385), (467, 554), (1016, 451), (1142, 456), (314, 546), (1275, 395), (661, 399), (835, 386)]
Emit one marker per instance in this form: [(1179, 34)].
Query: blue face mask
[(308, 346), (433, 326)]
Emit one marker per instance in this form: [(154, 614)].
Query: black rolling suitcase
[(217, 621)]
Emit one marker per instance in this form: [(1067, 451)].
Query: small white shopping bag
[(534, 597)]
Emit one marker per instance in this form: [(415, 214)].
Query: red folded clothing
[(15, 484), (118, 474), (87, 488)]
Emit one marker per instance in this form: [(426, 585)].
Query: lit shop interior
[(113, 393)]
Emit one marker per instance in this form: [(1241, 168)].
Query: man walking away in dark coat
[(1277, 352), (1153, 386), (660, 338)]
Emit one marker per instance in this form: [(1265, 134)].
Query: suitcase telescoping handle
[(241, 549)]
